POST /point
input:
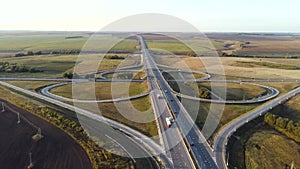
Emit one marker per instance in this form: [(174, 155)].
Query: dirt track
[(56, 150)]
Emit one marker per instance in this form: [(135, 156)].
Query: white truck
[(169, 121), (159, 96)]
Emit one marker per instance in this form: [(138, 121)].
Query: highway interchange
[(182, 145)]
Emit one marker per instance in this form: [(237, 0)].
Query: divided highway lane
[(222, 137), (171, 138), (149, 144), (195, 140)]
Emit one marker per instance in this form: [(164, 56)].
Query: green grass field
[(182, 47)]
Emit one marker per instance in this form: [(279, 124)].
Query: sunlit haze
[(92, 15)]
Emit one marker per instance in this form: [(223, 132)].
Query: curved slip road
[(144, 141), (46, 91), (222, 137)]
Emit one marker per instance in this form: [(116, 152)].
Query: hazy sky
[(206, 15)]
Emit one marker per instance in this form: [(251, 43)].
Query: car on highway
[(169, 121)]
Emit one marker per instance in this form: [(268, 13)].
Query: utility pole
[(2, 107), (293, 165), (30, 166), (19, 119), (227, 159), (38, 135)]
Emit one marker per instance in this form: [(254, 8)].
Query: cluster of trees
[(114, 57), (16, 68), (203, 93), (125, 76), (284, 125), (65, 52), (68, 75), (29, 53)]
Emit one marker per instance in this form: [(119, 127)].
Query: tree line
[(53, 52), (284, 125), (16, 68)]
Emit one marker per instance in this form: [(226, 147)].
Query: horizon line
[(90, 31)]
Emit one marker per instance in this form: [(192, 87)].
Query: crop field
[(55, 65), (271, 48), (259, 67), (13, 43), (102, 90), (236, 67), (56, 150), (258, 45), (51, 65)]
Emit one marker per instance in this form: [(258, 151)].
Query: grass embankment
[(140, 116), (103, 91), (98, 156), (31, 85), (256, 146), (230, 111), (269, 149), (261, 146), (141, 120)]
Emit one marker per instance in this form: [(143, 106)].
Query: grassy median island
[(136, 75), (145, 117), (139, 117), (102, 90), (234, 91)]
